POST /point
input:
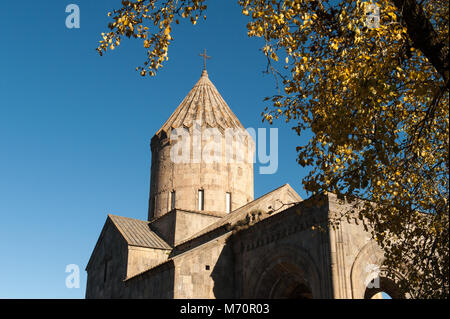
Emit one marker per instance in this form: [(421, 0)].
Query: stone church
[(207, 236)]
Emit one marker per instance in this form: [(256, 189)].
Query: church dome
[(203, 103), (211, 187)]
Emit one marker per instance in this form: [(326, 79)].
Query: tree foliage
[(375, 94)]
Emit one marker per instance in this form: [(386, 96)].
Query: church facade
[(207, 237)]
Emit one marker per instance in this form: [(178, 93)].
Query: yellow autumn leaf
[(274, 56)]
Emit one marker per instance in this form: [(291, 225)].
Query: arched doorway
[(381, 295), (384, 289), (285, 281), (300, 291), (369, 277), (288, 274)]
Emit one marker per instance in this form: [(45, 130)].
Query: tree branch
[(424, 37)]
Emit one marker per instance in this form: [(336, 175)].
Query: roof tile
[(138, 233)]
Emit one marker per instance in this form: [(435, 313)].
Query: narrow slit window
[(105, 271), (172, 200), (228, 202), (201, 199)]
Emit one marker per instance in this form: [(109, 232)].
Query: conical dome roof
[(203, 103)]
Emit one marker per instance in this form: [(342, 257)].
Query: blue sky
[(75, 129)]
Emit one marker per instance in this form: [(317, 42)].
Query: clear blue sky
[(75, 129)]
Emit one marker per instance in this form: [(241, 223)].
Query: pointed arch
[(286, 271), (368, 275)]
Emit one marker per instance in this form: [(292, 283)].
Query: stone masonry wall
[(112, 254), (186, 179)]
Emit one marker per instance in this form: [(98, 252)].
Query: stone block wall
[(107, 270), (186, 179), (178, 225), (142, 258), (205, 271), (283, 252), (157, 283)]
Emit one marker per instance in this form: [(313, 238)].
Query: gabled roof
[(134, 231), (203, 103), (138, 233), (280, 199)]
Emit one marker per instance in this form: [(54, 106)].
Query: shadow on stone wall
[(223, 274)]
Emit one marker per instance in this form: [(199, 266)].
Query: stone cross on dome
[(204, 58)]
